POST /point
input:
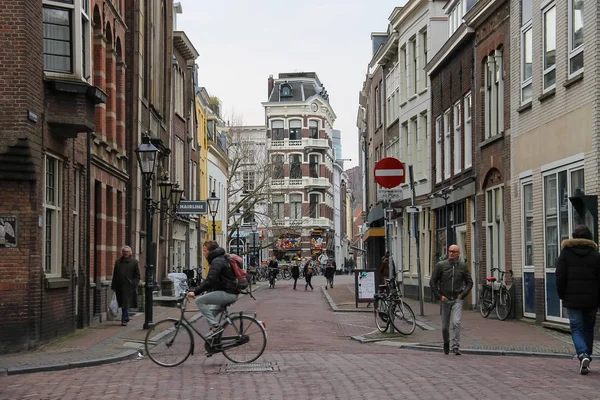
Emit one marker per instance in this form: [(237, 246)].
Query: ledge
[(403, 103), (570, 82), (524, 107), (57, 283), (545, 96), (411, 98), (491, 140)]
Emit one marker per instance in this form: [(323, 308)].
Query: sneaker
[(456, 352), (446, 348), (584, 366), (325, 287)]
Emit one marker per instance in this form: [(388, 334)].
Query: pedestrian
[(273, 270), (578, 286), (125, 279), (308, 274), (384, 270), (334, 266), (296, 271), (219, 285), (451, 282), (329, 275), (323, 259)]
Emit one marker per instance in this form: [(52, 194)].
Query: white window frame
[(80, 23), (317, 208), (422, 45), (526, 267), (421, 143), (319, 162), (438, 149), (447, 139), (278, 206), (248, 181), (467, 104), (414, 66), (180, 162), (297, 125), (552, 68), (293, 206), (574, 52), (413, 131), (495, 245), (526, 83), (55, 208), (313, 123), (457, 116), (403, 80)]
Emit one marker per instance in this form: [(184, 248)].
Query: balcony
[(287, 183), (321, 144), (285, 144), (321, 183), (304, 222), (320, 222)]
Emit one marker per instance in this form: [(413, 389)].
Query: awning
[(373, 232)]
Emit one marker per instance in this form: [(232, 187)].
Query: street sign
[(389, 172), (388, 195), (414, 209), (192, 207)]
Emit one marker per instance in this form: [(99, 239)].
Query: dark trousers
[(308, 279), (582, 321), (124, 314), (295, 281)]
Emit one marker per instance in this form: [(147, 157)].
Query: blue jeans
[(582, 321), (124, 314), (211, 301)]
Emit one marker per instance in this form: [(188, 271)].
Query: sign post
[(414, 210)]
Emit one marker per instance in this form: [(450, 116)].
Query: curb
[(334, 306)]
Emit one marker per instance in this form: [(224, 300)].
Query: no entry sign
[(389, 172)]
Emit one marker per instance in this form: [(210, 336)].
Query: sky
[(242, 42)]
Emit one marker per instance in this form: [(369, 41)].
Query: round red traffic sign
[(389, 172)]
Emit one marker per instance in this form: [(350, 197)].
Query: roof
[(183, 44), (301, 91)]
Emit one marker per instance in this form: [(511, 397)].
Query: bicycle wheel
[(485, 301), (402, 317), (382, 319), (169, 343), (247, 338), (503, 304)]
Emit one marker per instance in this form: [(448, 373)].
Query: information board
[(365, 285)]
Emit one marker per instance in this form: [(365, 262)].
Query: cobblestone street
[(313, 358)]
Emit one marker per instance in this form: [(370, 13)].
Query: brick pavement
[(315, 360)]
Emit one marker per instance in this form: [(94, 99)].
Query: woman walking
[(308, 273), (296, 271)]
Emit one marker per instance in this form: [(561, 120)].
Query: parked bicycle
[(389, 308), (495, 294), (170, 342)]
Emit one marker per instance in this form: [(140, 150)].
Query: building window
[(295, 129), (438, 150), (494, 228), (296, 206), (210, 130), (53, 216), (277, 160), (457, 138), (313, 129), (58, 47), (392, 94), (549, 48), (468, 132), (277, 130), (526, 51), (413, 158), (295, 166), (314, 206), (441, 222), (528, 224), (179, 89), (403, 79), (494, 94), (377, 107), (286, 91), (423, 58), (314, 165), (194, 178), (575, 36), (278, 206), (179, 161), (421, 146), (248, 181), (413, 66), (447, 139)]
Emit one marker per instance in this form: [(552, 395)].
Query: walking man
[(451, 282), (578, 286), (126, 277)]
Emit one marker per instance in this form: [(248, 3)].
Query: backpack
[(241, 276)]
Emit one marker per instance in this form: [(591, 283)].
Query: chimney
[(271, 85)]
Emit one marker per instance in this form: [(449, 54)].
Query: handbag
[(113, 308)]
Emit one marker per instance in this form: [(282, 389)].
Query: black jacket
[(578, 274), (295, 270), (220, 274), (451, 280)]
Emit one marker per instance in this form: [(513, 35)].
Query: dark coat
[(578, 274), (451, 280), (220, 274), (125, 280), (295, 271)]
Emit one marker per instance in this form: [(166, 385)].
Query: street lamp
[(146, 155), (237, 216), (254, 227), (445, 194), (213, 207)]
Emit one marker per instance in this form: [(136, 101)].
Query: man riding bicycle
[(220, 285), (273, 270)]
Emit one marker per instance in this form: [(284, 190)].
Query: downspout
[(86, 284)]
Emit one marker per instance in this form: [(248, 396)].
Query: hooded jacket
[(578, 274), (220, 274)]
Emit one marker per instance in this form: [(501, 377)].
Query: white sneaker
[(584, 367)]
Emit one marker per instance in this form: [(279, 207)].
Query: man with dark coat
[(220, 285), (578, 286), (126, 277)]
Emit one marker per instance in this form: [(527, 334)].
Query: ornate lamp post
[(237, 216), (254, 227), (213, 207), (146, 155)]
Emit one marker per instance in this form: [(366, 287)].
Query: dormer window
[(286, 90)]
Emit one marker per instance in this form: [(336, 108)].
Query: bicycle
[(390, 308), (172, 339), (491, 297)]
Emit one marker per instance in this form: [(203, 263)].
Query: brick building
[(48, 114), (299, 146), (451, 71), (490, 20)]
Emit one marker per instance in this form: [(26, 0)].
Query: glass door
[(527, 237)]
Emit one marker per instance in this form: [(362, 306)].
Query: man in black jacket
[(578, 286), (220, 285), (451, 282)]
